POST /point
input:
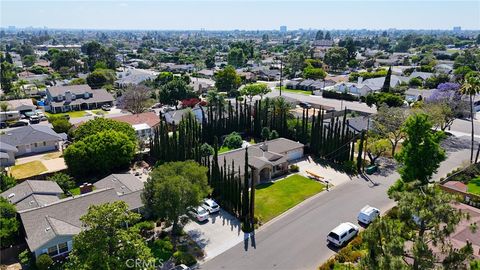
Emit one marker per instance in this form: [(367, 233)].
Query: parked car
[(199, 213), (211, 206), (342, 234), (368, 214), (305, 105), (20, 123), (106, 107), (34, 119), (3, 125)]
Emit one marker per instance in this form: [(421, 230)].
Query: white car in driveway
[(199, 213), (368, 214), (211, 206), (342, 234)]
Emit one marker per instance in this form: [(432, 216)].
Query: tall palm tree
[(471, 87), (21, 84), (214, 98)]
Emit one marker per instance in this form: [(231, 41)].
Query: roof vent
[(11, 195), (48, 229)]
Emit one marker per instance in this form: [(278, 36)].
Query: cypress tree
[(245, 194), (360, 152), (386, 83)]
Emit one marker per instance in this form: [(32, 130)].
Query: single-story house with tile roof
[(21, 105), (32, 194), (143, 123), (420, 75), (174, 117), (50, 229), (32, 139), (7, 154), (75, 98), (266, 160)]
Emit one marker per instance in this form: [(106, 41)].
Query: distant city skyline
[(241, 15)]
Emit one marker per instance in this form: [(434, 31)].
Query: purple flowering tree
[(447, 104)]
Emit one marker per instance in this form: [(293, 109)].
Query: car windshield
[(333, 235), (201, 211)]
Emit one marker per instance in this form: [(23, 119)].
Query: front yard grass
[(473, 186), (272, 199), (28, 169), (72, 114), (303, 92)]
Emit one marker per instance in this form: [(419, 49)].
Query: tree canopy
[(174, 187), (174, 91), (8, 223), (100, 124), (110, 240), (100, 153), (227, 80)]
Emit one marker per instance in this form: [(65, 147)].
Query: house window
[(36, 144), (62, 247), (44, 143), (53, 251)]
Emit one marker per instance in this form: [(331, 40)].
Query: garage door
[(295, 154)]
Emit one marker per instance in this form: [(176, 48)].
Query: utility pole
[(281, 74), (365, 146)]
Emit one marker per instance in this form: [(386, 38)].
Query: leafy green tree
[(388, 123), (174, 91), (8, 223), (227, 80), (64, 180), (415, 82), (210, 61), (7, 76), (174, 187), (295, 62), (100, 78), (314, 73), (78, 81), (63, 59), (376, 147), (6, 181), (164, 78), (336, 58), (97, 125), (274, 135), (233, 141), (44, 262), (60, 124), (100, 153), (29, 60), (254, 89), (206, 150), (110, 240), (215, 98), (319, 35), (351, 48), (328, 35), (382, 98), (471, 87), (418, 238), (236, 57), (420, 142)]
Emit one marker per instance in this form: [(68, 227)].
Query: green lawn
[(28, 169), (99, 112), (73, 114), (76, 191), (474, 186), (303, 92), (272, 199)]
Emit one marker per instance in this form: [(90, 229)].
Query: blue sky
[(249, 14)]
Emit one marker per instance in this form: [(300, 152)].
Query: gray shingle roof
[(32, 193), (74, 89), (43, 224), (29, 134), (122, 183)]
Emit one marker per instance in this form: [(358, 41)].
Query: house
[(76, 97), (268, 74), (134, 76), (420, 75), (174, 117), (267, 160), (125, 183), (7, 154), (50, 228), (32, 194), (143, 123), (32, 139), (413, 95), (357, 89), (21, 105)]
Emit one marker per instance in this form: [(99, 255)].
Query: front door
[(28, 148)]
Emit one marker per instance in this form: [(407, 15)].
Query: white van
[(342, 234), (368, 214)]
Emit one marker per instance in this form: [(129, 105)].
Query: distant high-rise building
[(457, 29), (283, 28)]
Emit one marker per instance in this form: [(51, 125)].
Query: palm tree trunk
[(473, 128)]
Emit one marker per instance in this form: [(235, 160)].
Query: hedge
[(337, 95)]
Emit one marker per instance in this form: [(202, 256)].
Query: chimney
[(86, 188), (360, 80)]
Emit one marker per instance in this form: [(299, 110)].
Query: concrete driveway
[(220, 233), (331, 175)]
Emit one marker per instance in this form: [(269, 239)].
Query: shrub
[(337, 95), (181, 257), (294, 168), (233, 141), (162, 249), (145, 226), (25, 258), (44, 262), (328, 265)]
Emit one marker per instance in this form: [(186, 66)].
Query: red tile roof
[(149, 118)]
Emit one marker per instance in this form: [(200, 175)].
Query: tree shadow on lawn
[(336, 167)]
